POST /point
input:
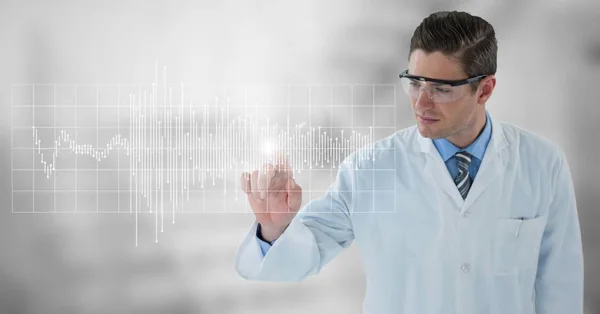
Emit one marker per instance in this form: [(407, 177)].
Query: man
[(478, 216)]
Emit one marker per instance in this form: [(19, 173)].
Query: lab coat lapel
[(436, 171), (492, 165)]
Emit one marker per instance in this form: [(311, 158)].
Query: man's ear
[(486, 88)]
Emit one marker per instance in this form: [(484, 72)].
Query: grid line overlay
[(144, 149)]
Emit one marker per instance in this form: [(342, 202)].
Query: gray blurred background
[(549, 56)]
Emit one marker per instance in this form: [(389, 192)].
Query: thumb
[(294, 200)]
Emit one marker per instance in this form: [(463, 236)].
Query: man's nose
[(424, 101)]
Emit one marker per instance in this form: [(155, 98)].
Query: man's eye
[(442, 90)]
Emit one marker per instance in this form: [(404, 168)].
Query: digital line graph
[(167, 149)]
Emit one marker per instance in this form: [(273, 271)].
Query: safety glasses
[(439, 91)]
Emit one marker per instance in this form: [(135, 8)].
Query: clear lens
[(438, 93)]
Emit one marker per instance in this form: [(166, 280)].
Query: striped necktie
[(463, 180)]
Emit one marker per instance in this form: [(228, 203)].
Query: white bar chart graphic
[(169, 149)]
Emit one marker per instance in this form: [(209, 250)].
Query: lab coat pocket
[(517, 244)]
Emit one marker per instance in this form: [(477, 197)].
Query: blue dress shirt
[(447, 150)]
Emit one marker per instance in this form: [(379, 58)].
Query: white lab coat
[(425, 250)]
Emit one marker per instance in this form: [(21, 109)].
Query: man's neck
[(466, 137)]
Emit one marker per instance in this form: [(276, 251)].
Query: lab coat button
[(466, 267)]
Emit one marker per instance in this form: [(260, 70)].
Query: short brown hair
[(470, 39)]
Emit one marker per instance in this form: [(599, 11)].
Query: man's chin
[(431, 134), (428, 132)]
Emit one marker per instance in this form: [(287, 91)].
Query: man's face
[(442, 120)]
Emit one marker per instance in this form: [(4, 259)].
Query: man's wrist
[(259, 234), (267, 234)]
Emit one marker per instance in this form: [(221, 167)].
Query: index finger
[(282, 164)]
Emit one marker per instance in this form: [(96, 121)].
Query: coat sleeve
[(559, 281), (320, 230)]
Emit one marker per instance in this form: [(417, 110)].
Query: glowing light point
[(268, 148)]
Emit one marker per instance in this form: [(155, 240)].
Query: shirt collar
[(476, 149)]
